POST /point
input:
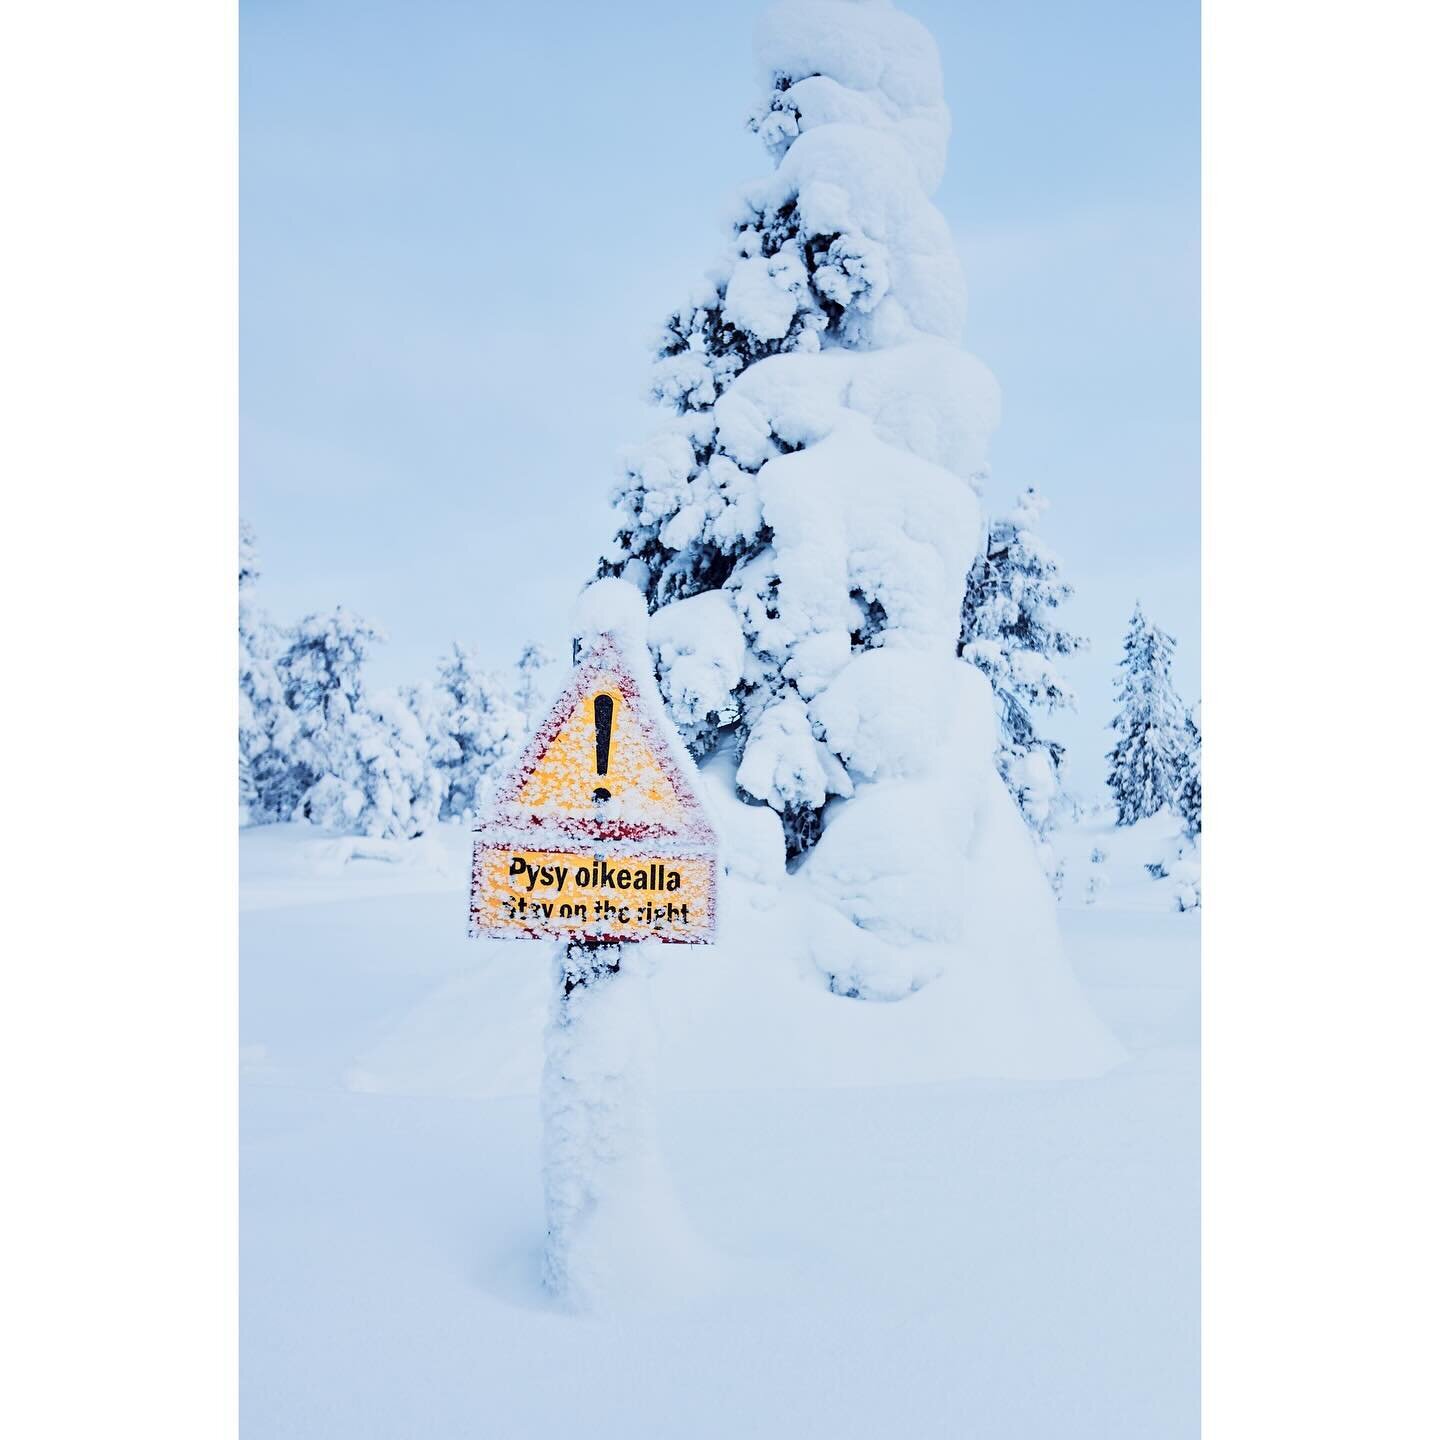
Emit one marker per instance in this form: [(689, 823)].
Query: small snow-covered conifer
[(320, 671), (1008, 632), (357, 762), (264, 722), (1189, 799), (529, 688), (402, 790), (1148, 760), (432, 709), (485, 728)]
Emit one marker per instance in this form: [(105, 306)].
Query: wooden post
[(585, 962)]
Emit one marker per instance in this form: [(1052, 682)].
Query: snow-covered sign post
[(597, 838)]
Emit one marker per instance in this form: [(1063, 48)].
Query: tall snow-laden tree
[(801, 531), (1148, 762), (265, 724), (485, 726), (1008, 632)]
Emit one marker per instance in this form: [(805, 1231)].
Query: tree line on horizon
[(318, 744)]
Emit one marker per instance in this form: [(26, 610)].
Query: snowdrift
[(753, 1011)]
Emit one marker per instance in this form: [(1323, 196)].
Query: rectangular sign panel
[(591, 894)]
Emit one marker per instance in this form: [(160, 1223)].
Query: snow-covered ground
[(1150, 865), (938, 1257)]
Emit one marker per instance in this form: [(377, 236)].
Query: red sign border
[(604, 656)]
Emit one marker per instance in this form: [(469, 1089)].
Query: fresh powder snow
[(868, 1242), (911, 1148)]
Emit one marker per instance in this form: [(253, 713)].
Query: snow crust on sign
[(616, 609), (652, 781)]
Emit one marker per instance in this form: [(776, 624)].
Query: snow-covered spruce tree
[(266, 727), (433, 708), (403, 792), (1188, 802), (801, 531), (1008, 632), (1148, 761), (357, 762), (475, 731)]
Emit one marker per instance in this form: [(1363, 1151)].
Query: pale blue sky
[(461, 223)]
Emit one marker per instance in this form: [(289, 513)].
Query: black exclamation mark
[(604, 717)]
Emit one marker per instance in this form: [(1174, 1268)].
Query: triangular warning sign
[(601, 766)]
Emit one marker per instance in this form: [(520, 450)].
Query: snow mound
[(301, 864), (699, 653), (755, 1011)]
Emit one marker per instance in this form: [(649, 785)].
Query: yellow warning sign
[(598, 833), (601, 754)]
